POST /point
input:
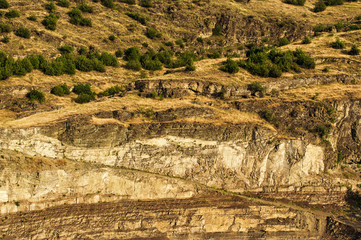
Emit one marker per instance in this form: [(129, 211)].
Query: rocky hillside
[(156, 119)]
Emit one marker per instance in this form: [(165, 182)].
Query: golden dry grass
[(132, 103)]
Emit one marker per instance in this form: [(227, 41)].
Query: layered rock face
[(112, 165), (203, 217), (235, 157)]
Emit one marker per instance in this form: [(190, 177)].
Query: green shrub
[(12, 14), (50, 6), (306, 40), (32, 18), (119, 53), (354, 50), (85, 8), (60, 90), (5, 28), (4, 4), (230, 66), (66, 49), (84, 98), (149, 61), (268, 116), (152, 33), (82, 89), (165, 57), (200, 39), (132, 53), (255, 87), (296, 2), (109, 59), (36, 95), (50, 22), (180, 43), (67, 63), (107, 3), (86, 22), (82, 51), (111, 37), (146, 3), (98, 65), (323, 130), (190, 67), (84, 64), (63, 3), (34, 60), (283, 41), (214, 55), (130, 2), (333, 2), (338, 44), (134, 65), (5, 39), (75, 13), (22, 32), (304, 60), (217, 31), (76, 18), (111, 91), (320, 6), (322, 28), (138, 17)]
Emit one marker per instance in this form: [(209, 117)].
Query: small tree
[(12, 14), (63, 3), (108, 3), (338, 44), (50, 22), (36, 95), (320, 6), (283, 41), (4, 4), (146, 3), (60, 90), (22, 32), (306, 40), (50, 6), (354, 50), (230, 66)]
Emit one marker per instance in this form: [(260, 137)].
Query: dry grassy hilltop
[(170, 119)]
